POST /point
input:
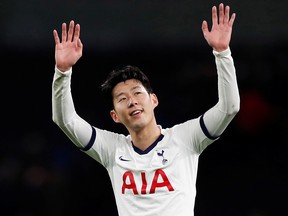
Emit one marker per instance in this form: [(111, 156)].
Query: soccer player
[(152, 169)]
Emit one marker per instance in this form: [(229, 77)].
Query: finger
[(70, 31), (231, 21), (227, 11), (56, 37), (64, 33), (204, 27), (214, 16), (221, 13), (79, 43), (77, 32)]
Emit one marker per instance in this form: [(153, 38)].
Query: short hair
[(120, 75)]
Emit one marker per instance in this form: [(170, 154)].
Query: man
[(153, 170)]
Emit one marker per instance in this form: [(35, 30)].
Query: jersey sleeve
[(63, 111), (216, 119)]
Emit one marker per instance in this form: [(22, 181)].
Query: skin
[(134, 108), (130, 96), (220, 35)]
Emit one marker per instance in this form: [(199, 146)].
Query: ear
[(114, 116), (154, 100)]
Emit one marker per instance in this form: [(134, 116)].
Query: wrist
[(220, 49), (63, 68)]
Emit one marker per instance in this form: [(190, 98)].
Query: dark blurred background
[(42, 173)]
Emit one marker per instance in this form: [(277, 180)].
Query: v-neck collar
[(141, 152)]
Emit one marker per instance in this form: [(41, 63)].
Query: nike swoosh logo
[(122, 159)]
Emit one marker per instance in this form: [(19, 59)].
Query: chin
[(138, 126)]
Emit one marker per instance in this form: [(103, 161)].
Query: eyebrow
[(133, 88)]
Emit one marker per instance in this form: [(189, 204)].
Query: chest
[(155, 172)]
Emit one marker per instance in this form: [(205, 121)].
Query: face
[(133, 105)]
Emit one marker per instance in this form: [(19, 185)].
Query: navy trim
[(141, 152), (204, 129), (91, 141)]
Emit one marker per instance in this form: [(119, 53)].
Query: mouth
[(136, 112)]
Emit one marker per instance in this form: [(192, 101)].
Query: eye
[(121, 99), (138, 92)]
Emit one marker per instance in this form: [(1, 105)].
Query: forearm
[(218, 117), (62, 103), (228, 93), (63, 110)]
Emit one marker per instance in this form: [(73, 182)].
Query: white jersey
[(162, 179)]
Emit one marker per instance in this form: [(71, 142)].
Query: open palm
[(69, 50), (220, 35)]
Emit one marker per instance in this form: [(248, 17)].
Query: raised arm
[(68, 50), (67, 53), (218, 117)]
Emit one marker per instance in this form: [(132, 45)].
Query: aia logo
[(159, 180)]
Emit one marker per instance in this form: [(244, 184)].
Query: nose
[(131, 102)]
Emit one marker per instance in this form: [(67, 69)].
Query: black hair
[(120, 75)]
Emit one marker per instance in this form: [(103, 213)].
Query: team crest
[(161, 154)]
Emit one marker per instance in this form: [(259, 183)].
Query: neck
[(143, 138)]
